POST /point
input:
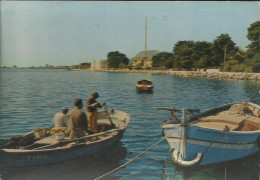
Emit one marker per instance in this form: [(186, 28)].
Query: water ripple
[(30, 98)]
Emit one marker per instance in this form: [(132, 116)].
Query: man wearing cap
[(77, 118), (61, 119), (92, 106)]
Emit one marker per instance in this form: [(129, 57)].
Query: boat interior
[(238, 117), (43, 138), (146, 82)]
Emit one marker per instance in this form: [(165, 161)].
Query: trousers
[(92, 121)]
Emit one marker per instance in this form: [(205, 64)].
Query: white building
[(98, 65)]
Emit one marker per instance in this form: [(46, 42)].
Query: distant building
[(98, 65), (145, 62)]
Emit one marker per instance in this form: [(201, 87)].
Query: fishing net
[(238, 109)]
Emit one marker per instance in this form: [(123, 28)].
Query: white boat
[(219, 134)]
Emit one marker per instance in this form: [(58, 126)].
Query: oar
[(178, 110)]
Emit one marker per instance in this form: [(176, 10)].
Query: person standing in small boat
[(61, 119), (77, 118), (92, 106)]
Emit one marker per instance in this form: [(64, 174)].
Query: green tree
[(253, 35), (182, 54), (254, 62), (114, 59), (218, 47), (163, 59), (202, 54), (122, 66), (253, 52)]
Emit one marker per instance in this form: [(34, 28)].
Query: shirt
[(60, 120), (92, 105), (77, 119)]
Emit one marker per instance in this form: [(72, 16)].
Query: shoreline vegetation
[(195, 74), (203, 74)]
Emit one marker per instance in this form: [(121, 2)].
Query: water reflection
[(246, 168), (144, 92), (89, 167)]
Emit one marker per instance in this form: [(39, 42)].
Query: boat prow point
[(177, 160)]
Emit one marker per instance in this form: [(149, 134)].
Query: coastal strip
[(204, 74)]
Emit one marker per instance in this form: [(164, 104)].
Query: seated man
[(77, 118), (61, 119)]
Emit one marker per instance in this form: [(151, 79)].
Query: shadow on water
[(242, 169), (144, 92), (88, 167)]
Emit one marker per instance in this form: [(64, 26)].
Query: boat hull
[(144, 85), (19, 158), (144, 88), (47, 149), (213, 151)]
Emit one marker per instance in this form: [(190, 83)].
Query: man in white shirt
[(61, 119)]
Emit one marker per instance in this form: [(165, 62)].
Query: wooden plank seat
[(251, 124), (244, 122), (216, 125), (47, 140), (224, 117), (104, 122)]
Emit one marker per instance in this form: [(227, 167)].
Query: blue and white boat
[(46, 145), (219, 134)]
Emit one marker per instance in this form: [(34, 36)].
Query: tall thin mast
[(145, 47)]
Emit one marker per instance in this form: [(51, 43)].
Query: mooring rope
[(131, 160)]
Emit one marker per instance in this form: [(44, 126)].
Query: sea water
[(31, 97)]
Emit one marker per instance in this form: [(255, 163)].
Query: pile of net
[(239, 109)]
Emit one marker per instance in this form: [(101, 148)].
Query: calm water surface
[(30, 98)]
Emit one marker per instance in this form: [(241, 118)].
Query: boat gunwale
[(61, 148), (197, 116), (215, 142)]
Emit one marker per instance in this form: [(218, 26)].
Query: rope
[(131, 160)]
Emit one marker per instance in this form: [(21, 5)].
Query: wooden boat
[(46, 145), (219, 134), (144, 85)]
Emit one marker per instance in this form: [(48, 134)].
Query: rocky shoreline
[(212, 75)]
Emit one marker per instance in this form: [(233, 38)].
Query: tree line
[(190, 55)]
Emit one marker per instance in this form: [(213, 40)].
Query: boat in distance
[(144, 85), (51, 145), (219, 134)]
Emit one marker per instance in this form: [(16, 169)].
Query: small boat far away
[(144, 85), (51, 145), (219, 134)]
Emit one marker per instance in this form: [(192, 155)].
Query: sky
[(64, 33)]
